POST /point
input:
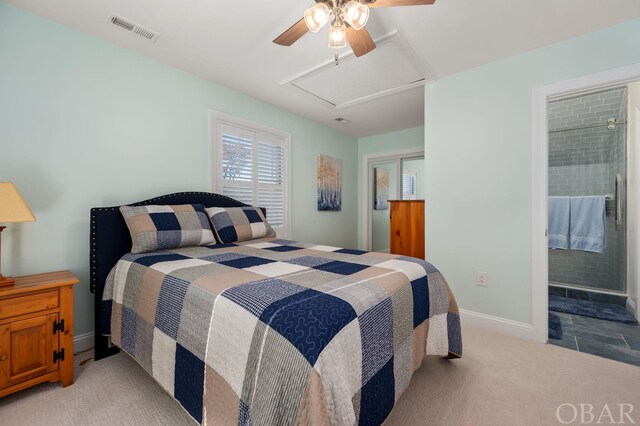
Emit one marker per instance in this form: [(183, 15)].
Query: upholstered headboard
[(110, 240)]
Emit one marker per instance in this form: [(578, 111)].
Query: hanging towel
[(586, 230), (559, 208)]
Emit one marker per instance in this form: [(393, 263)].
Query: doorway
[(388, 176), (585, 281)]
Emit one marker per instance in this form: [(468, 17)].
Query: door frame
[(378, 157), (540, 170)]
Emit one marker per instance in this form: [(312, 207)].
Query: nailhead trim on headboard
[(151, 201)]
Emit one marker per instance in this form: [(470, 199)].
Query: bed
[(269, 331)]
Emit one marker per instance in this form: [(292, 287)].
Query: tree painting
[(329, 183), (382, 189)]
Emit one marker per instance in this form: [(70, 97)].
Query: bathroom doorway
[(591, 306)]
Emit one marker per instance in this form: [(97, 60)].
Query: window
[(250, 163), (409, 178)]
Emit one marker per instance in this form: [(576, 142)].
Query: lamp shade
[(337, 35), (12, 205), (317, 16), (356, 14)]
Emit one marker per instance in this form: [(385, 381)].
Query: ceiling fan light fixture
[(317, 16), (338, 35), (356, 14)]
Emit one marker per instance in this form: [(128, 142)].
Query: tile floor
[(619, 342)]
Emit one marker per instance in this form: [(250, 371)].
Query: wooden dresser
[(36, 331), (407, 227)]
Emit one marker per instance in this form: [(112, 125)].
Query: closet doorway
[(388, 176)]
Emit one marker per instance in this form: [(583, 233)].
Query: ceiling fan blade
[(393, 3), (360, 41), (292, 35)]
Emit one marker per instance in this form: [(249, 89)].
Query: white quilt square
[(230, 336), (159, 209), (212, 211), (168, 267), (276, 269), (411, 270), (262, 245), (164, 360), (258, 229), (120, 278), (438, 337), (340, 367), (324, 248)]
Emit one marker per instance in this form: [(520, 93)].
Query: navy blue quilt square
[(342, 268), (376, 334), (228, 233), (189, 382), (128, 329), (283, 248), (243, 416), (378, 396), (157, 258), (351, 251), (246, 262), (420, 290), (165, 221), (252, 215), (454, 333), (256, 296), (169, 306), (106, 307), (309, 320)]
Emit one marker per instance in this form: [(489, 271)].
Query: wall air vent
[(133, 27)]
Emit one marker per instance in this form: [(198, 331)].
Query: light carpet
[(500, 380)]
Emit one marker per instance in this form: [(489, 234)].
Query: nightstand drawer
[(27, 304)]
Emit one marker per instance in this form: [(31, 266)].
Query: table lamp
[(12, 209)]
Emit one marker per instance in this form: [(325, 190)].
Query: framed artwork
[(329, 180), (381, 189)]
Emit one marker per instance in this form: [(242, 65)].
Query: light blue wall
[(84, 123), (478, 141), (386, 142)]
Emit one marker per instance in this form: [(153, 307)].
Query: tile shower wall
[(585, 162)]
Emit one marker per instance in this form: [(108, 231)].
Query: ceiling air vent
[(342, 120), (133, 27)]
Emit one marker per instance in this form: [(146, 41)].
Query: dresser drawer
[(27, 304)]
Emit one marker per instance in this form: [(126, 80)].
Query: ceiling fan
[(349, 19)]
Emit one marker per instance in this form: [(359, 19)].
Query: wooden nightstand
[(36, 331)]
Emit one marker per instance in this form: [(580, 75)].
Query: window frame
[(216, 119)]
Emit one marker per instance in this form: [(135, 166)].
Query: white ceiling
[(230, 42)]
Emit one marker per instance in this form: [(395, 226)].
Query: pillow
[(167, 227), (239, 224)]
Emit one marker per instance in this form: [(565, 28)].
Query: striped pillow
[(167, 227), (239, 224)]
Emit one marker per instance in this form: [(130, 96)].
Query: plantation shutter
[(253, 170), (271, 175), (409, 185)]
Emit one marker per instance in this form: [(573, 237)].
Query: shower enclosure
[(587, 157)]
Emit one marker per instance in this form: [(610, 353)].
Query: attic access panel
[(393, 66)]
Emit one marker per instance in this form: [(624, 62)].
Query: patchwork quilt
[(273, 331)]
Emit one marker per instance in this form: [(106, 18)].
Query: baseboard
[(83, 342), (631, 306), (500, 325)]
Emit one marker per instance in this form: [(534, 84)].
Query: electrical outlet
[(482, 279)]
